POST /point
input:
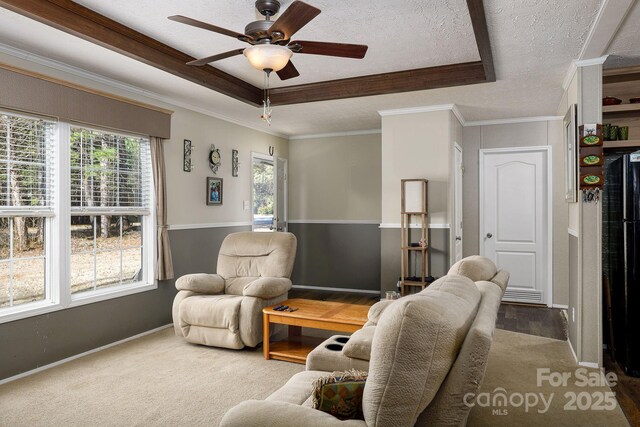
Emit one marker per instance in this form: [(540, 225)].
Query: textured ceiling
[(624, 50), (409, 34), (533, 43)]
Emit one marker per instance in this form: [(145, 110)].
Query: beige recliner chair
[(225, 309)]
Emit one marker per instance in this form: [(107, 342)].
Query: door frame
[(455, 198), (274, 160), (549, 208)]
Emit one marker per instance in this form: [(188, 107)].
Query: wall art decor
[(214, 191), (591, 162), (234, 163), (214, 158), (186, 155)]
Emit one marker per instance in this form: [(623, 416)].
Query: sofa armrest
[(276, 414), (376, 311), (267, 287), (359, 344), (201, 283)]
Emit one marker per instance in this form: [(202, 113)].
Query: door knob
[(458, 238), (489, 235)]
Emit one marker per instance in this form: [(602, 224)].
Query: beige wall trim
[(332, 221), (397, 225), (574, 233), (513, 120), (78, 72), (77, 356), (323, 288), (210, 225), (561, 306), (336, 134), (575, 64), (425, 109)]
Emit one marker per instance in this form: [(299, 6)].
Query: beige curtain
[(164, 265)]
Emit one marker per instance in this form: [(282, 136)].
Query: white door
[(514, 219), (457, 215)]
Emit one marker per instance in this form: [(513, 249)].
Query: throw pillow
[(340, 394)]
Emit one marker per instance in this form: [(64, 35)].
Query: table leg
[(265, 335)]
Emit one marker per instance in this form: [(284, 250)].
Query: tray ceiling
[(532, 49)]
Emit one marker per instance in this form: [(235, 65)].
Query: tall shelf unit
[(414, 209)]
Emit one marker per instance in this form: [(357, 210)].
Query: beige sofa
[(225, 309), (428, 350), (356, 352)]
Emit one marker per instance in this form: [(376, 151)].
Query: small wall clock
[(214, 158)]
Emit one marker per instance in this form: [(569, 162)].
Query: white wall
[(336, 178), (525, 134), (186, 190), (417, 146)]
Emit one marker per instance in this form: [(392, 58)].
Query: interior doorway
[(268, 193), (515, 219)]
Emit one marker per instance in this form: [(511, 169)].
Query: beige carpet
[(513, 364), (160, 380)]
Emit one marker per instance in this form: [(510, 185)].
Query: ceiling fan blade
[(208, 59), (343, 50), (288, 72), (206, 26), (295, 17)]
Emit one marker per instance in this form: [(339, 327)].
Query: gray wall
[(574, 285), (33, 342), (337, 255)]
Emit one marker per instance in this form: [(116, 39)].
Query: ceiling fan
[(271, 46)]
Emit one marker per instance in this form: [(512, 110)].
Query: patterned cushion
[(340, 394)]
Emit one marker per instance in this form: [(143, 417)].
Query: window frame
[(58, 294)]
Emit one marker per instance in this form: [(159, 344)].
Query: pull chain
[(266, 102)]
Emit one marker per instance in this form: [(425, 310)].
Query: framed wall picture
[(214, 191), (570, 155)]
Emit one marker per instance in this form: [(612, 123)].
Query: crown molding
[(335, 134), (115, 84), (591, 61), (425, 109), (514, 120)]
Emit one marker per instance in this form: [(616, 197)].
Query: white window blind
[(26, 166), (110, 173)]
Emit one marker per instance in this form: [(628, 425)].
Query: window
[(25, 208), (110, 188), (76, 215)]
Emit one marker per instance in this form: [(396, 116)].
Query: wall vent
[(521, 295)]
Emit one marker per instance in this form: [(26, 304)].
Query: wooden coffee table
[(331, 316)]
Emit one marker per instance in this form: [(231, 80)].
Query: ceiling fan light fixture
[(268, 56)]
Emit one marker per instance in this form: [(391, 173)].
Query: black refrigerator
[(621, 250)]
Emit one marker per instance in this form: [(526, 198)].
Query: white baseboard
[(322, 288), (589, 365), (562, 306), (77, 356)]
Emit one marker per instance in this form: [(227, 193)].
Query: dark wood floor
[(627, 391)]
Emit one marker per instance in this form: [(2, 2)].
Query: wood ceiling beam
[(481, 31), (380, 84), (86, 24)]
